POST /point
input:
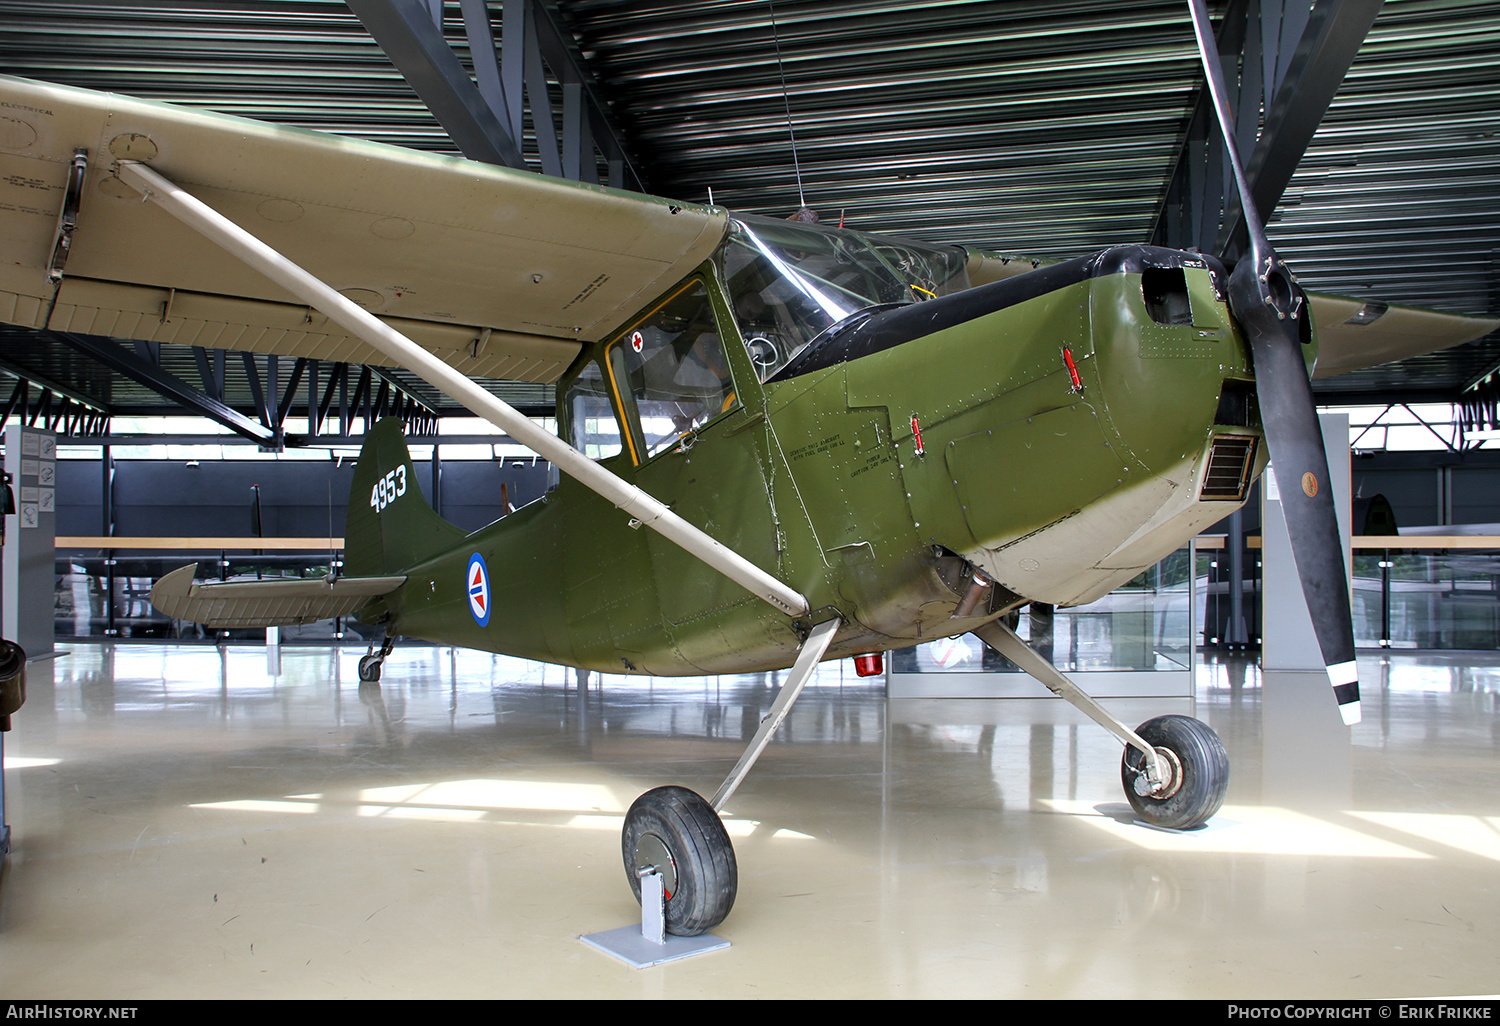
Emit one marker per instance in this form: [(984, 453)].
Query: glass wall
[(1433, 599), (1149, 624)]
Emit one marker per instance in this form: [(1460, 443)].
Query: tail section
[(390, 527)]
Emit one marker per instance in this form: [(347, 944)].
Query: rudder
[(390, 526)]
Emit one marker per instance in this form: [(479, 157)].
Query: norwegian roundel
[(478, 587)]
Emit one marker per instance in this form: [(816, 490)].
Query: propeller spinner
[(1272, 312)]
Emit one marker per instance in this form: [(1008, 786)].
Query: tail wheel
[(679, 833), (1199, 773)]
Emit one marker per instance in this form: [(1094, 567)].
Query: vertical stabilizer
[(390, 527)]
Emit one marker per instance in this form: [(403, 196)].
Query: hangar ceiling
[(1046, 128)]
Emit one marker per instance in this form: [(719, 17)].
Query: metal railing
[(1410, 591), (1438, 592), (104, 584)]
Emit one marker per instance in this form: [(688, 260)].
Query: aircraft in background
[(779, 442)]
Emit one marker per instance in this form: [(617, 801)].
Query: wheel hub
[(1167, 787), (651, 853)]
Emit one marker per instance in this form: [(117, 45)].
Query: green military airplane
[(871, 442)]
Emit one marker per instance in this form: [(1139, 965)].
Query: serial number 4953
[(388, 489)]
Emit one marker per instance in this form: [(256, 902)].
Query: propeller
[(1272, 313)]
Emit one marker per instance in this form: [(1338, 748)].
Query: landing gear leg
[(1175, 769), (680, 834), (369, 663)]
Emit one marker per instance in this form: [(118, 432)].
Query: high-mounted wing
[(1352, 334), (499, 273)]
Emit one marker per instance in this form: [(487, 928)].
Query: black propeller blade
[(1271, 310)]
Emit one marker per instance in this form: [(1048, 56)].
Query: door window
[(673, 365)]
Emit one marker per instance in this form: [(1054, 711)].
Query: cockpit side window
[(591, 416), (672, 364)]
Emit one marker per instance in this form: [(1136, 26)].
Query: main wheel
[(680, 834), (369, 669), (1199, 773)]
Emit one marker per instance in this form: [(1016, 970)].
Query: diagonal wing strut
[(358, 321)]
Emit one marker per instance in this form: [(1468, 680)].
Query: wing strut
[(353, 318)]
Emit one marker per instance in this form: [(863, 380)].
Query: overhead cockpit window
[(789, 282), (673, 365)]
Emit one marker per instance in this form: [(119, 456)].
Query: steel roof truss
[(116, 357), (484, 115), (416, 46), (1285, 58)]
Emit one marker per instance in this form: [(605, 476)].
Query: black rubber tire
[(695, 838), (369, 669), (1205, 772)]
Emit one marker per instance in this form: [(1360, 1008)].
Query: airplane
[(871, 442)]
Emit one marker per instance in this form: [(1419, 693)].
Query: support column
[(1287, 639), (1236, 632), (107, 530), (29, 571)]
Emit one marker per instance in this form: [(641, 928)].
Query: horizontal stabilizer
[(270, 603)]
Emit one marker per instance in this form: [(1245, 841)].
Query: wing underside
[(270, 603), (500, 273)]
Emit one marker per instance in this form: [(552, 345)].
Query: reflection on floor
[(186, 825)]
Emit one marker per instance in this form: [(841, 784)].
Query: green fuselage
[(1055, 488)]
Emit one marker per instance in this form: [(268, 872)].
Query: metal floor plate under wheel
[(629, 946)]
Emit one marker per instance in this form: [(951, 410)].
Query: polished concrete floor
[(187, 825)]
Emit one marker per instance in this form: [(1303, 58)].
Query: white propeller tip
[(1350, 713), (1345, 680)]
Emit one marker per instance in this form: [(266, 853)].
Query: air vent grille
[(1229, 464)]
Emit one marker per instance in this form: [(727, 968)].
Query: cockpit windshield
[(789, 282)]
